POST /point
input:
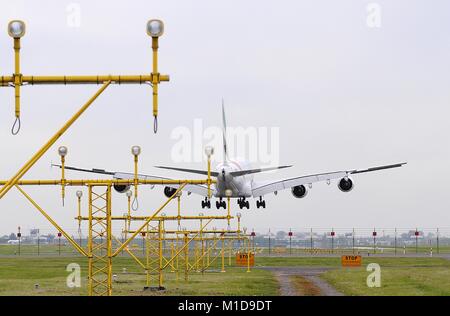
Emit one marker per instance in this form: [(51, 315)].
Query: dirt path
[(302, 281)]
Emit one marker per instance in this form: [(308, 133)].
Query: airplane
[(237, 177)]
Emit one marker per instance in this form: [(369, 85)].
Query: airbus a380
[(237, 178)]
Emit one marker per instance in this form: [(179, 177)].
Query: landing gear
[(260, 203), (220, 204), (243, 203), (206, 203)]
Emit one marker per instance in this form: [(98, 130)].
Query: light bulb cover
[(136, 150), (155, 28), (209, 151), (16, 28), (62, 151)]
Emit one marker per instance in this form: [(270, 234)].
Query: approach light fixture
[(62, 151), (79, 194), (155, 28), (209, 151), (129, 193), (136, 150), (16, 28)]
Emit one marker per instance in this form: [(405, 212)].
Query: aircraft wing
[(192, 188), (263, 189), (198, 189)]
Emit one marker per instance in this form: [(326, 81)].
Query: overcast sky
[(342, 93)]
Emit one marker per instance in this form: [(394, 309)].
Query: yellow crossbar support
[(13, 181), (147, 221), (186, 244), (73, 242), (96, 79), (103, 182)]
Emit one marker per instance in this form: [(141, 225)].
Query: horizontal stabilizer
[(203, 172)]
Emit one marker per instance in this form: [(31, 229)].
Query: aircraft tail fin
[(224, 132)]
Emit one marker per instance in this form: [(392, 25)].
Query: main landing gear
[(243, 203), (260, 203), (220, 204), (206, 203)]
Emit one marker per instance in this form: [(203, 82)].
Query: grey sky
[(343, 95)]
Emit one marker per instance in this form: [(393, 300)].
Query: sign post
[(59, 243), (19, 236), (332, 240), (290, 241), (374, 234)]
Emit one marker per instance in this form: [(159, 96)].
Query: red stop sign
[(332, 234), (374, 234), (290, 234), (59, 235), (416, 233)]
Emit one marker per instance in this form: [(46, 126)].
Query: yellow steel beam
[(17, 78), (192, 231), (186, 244), (13, 181), (131, 238), (73, 242), (204, 253), (169, 218), (95, 79), (130, 253), (208, 238), (101, 182)]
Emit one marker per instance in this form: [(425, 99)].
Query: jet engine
[(345, 184), (121, 188), (299, 191), (168, 192)]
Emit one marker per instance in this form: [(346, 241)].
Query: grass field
[(19, 275), (399, 276), (411, 276)]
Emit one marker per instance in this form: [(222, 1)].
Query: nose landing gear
[(260, 203)]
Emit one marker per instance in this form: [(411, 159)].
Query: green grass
[(18, 275), (32, 250), (399, 276)]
